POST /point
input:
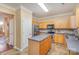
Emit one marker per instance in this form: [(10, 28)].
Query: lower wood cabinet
[(45, 46), (59, 38), (39, 47)]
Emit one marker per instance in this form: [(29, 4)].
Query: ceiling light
[(43, 7)]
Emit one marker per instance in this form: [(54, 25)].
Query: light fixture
[(43, 7), (1, 23)]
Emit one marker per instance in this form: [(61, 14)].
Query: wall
[(18, 29), (59, 22)]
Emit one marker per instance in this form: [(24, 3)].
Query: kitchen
[(46, 28), (61, 27)]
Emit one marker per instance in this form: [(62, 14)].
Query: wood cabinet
[(59, 38), (73, 22), (77, 17), (61, 22), (39, 47), (34, 21), (45, 46)]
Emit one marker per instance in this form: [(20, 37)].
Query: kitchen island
[(40, 44)]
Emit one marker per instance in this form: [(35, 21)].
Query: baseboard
[(17, 48)]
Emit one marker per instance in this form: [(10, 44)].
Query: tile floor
[(57, 49), (15, 52)]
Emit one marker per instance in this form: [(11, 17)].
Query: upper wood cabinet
[(77, 17), (34, 21), (63, 22), (43, 24), (73, 22)]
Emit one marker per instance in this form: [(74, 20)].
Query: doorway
[(6, 32)]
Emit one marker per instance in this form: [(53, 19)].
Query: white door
[(26, 30)]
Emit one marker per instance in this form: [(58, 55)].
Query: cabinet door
[(77, 16), (73, 21), (59, 38), (55, 38), (45, 45)]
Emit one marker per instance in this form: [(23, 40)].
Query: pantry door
[(26, 30)]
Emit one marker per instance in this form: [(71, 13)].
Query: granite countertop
[(40, 37)]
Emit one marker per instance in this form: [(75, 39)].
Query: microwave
[(50, 26)]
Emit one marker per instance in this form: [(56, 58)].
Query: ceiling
[(53, 8)]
